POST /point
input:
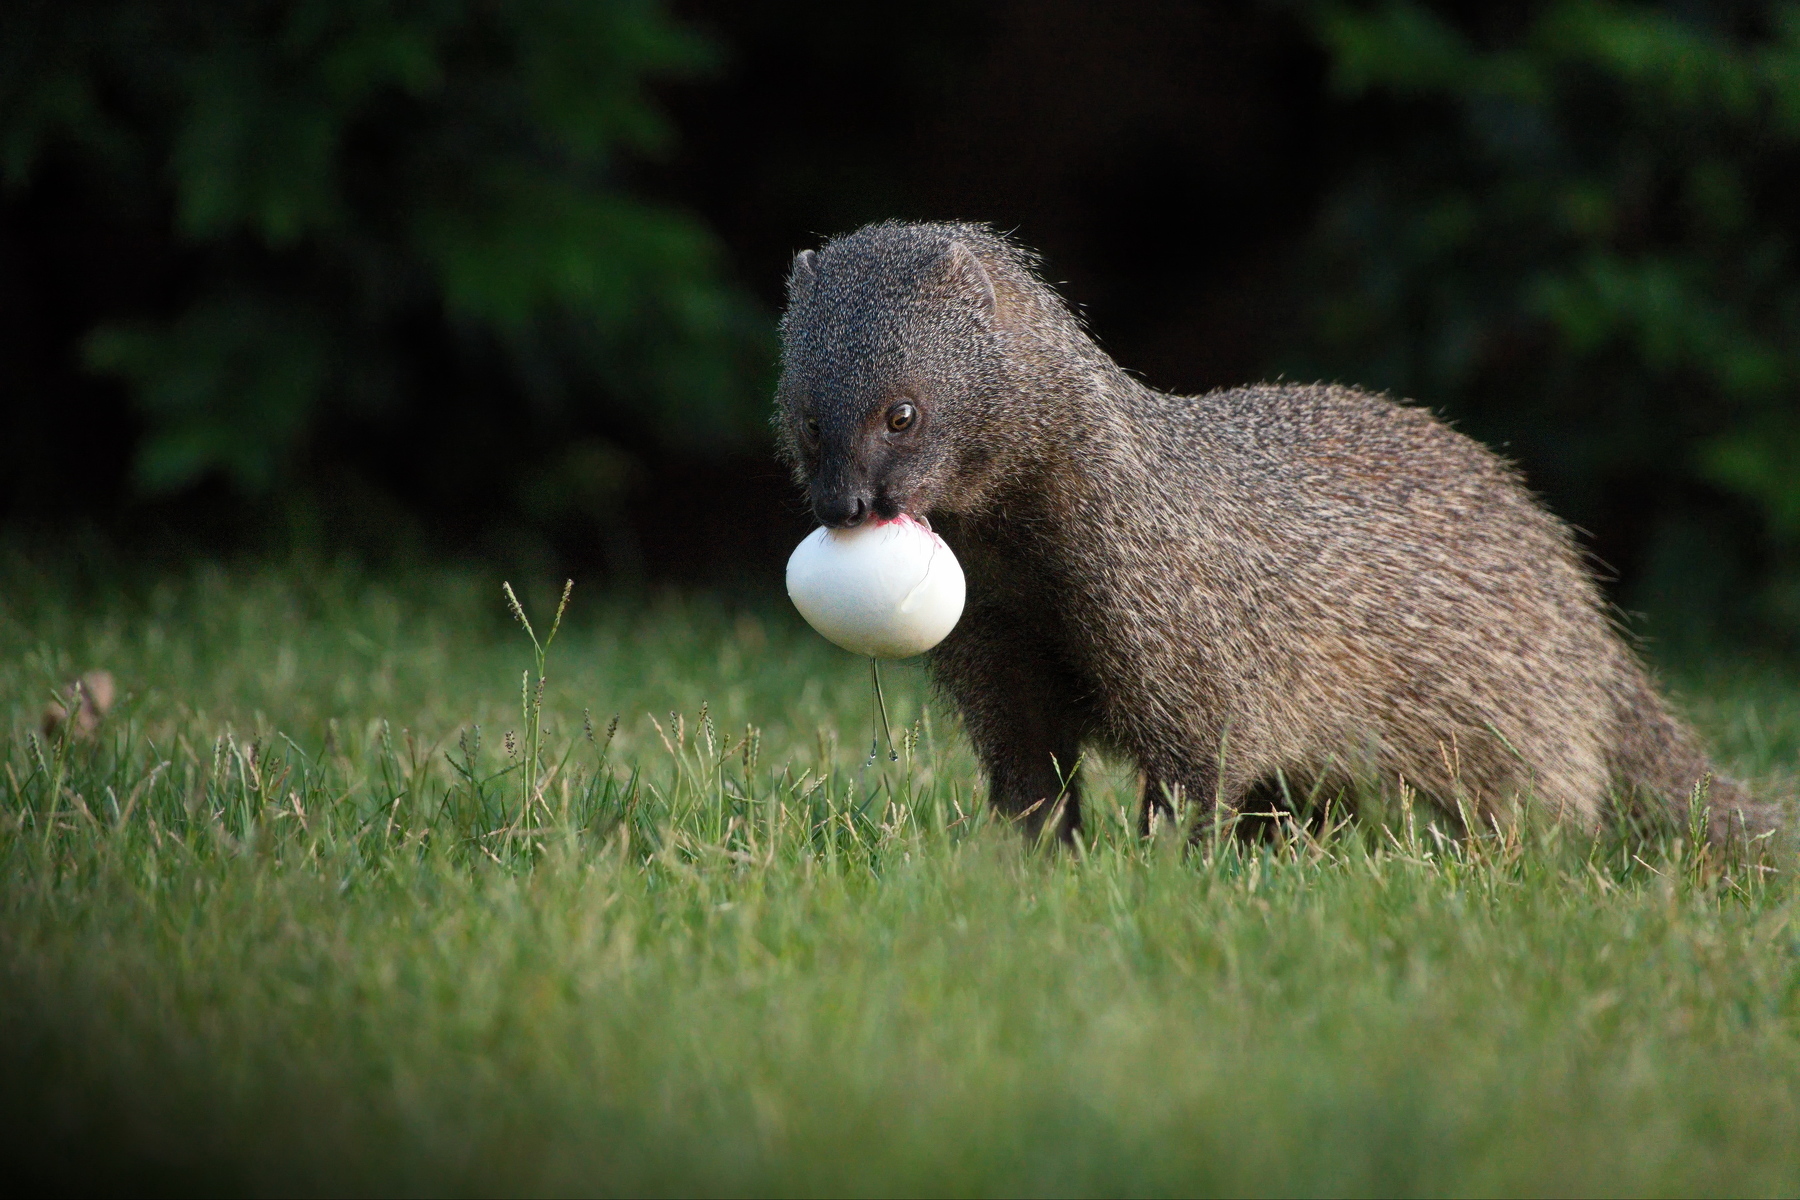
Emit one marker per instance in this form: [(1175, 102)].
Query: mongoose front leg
[(1032, 778), (1016, 708)]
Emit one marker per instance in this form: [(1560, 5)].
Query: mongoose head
[(894, 370)]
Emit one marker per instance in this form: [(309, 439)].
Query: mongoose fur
[(1293, 587)]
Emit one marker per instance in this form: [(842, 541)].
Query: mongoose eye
[(901, 417), (811, 426)]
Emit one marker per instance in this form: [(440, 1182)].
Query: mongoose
[(1268, 587)]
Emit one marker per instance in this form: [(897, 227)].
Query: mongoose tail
[(1659, 766)]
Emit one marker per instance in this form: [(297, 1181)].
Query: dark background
[(499, 280)]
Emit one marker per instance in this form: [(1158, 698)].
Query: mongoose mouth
[(902, 517), (859, 503)]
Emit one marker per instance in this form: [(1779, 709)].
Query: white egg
[(889, 589)]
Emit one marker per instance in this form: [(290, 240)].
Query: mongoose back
[(1300, 587)]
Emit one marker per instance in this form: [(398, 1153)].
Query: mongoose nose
[(841, 511)]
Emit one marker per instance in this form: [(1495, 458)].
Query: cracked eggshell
[(891, 589)]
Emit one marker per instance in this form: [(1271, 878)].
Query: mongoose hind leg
[(1277, 800), (1155, 809), (1181, 799), (1254, 815)]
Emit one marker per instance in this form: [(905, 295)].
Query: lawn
[(286, 924)]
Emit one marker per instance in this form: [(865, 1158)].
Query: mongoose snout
[(840, 509), (1266, 591)]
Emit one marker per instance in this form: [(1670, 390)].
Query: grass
[(286, 925)]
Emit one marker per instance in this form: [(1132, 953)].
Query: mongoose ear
[(801, 277), (966, 267)]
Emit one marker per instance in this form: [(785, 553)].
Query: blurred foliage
[(1572, 225), (442, 274), (376, 208)]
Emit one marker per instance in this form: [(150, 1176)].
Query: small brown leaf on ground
[(88, 698)]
